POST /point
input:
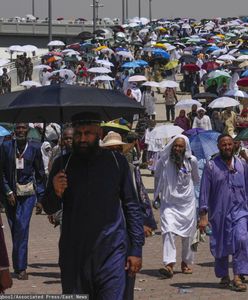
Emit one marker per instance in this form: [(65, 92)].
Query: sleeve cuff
[(203, 209), (4, 268), (135, 251)]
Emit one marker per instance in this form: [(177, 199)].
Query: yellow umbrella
[(160, 45), (220, 35), (115, 124), (243, 64), (171, 65), (100, 48)]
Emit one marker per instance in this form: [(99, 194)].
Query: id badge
[(20, 164)]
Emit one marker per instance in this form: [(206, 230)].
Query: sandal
[(185, 269), (225, 282), (238, 286), (167, 271)]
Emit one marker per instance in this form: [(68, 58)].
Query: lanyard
[(20, 155)]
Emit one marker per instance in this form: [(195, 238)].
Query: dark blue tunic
[(100, 210)]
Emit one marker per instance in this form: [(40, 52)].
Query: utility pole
[(139, 7), (50, 20), (126, 9), (150, 10), (123, 11), (95, 7), (33, 8)]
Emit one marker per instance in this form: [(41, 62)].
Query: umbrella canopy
[(137, 78), (165, 132), (168, 83), (30, 83), (41, 67), (104, 62), (130, 65), (226, 57), (59, 102), (103, 78), (161, 52), (100, 70), (171, 65), (193, 131), (243, 82), (243, 135), (191, 68), (85, 35), (236, 93), (204, 144), (187, 103), (205, 96), (188, 59), (223, 102), (151, 84), (4, 131), (245, 74), (56, 43), (210, 65)]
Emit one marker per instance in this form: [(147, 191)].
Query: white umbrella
[(3, 61), (223, 102), (29, 48), (165, 131), (104, 50), (151, 84), (136, 78), (15, 48), (217, 73), (56, 43), (63, 72), (236, 93), (30, 83), (104, 62), (168, 83), (187, 103), (100, 70), (41, 67), (103, 78), (70, 53), (125, 54), (226, 57), (242, 58), (120, 34)]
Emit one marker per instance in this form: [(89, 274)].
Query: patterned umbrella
[(243, 135), (204, 144)]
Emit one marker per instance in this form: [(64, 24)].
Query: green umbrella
[(219, 80), (243, 135)]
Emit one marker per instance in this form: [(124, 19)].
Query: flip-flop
[(225, 282), (185, 269), (238, 286), (166, 272)]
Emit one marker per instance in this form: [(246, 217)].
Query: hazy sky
[(112, 8)]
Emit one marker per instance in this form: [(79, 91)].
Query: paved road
[(44, 274)]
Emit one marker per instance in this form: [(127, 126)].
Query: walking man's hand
[(60, 183)]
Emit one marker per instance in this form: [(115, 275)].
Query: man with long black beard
[(100, 209), (175, 176), (224, 204), (23, 183)]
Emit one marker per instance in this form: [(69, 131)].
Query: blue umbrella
[(121, 49), (244, 74), (161, 52), (4, 131), (193, 131), (204, 144), (141, 62), (130, 64), (212, 48)]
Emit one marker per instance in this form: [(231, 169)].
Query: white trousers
[(169, 249)]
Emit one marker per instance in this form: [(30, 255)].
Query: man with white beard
[(175, 176)]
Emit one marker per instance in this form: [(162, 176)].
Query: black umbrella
[(188, 59), (205, 95), (58, 103), (85, 35)]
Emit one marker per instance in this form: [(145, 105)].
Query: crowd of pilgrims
[(160, 53)]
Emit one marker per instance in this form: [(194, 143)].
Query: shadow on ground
[(198, 285), (45, 274), (43, 265)]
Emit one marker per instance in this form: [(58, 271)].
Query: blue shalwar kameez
[(224, 195), (19, 215)]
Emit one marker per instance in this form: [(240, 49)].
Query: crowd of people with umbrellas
[(121, 78)]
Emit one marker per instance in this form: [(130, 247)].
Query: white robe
[(178, 203)]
